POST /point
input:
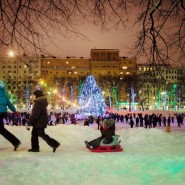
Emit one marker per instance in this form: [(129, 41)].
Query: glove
[(28, 127), (16, 114)]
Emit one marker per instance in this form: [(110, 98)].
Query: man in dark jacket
[(39, 121), (4, 103)]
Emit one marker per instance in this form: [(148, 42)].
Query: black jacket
[(39, 116), (107, 133)]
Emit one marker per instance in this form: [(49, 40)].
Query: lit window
[(124, 67), (127, 73)]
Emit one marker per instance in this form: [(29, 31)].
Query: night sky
[(96, 39), (71, 45)]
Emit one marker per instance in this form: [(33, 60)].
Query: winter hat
[(108, 122), (38, 93), (2, 84)]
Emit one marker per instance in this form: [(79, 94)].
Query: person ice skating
[(39, 121), (4, 103), (107, 131)]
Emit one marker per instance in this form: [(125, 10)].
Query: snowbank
[(150, 157)]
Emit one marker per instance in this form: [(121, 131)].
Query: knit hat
[(108, 122), (2, 84), (38, 93)]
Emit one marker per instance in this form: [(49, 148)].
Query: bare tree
[(161, 23), (27, 23), (162, 32)]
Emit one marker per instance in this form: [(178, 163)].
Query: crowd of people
[(53, 118), (149, 120), (133, 119)]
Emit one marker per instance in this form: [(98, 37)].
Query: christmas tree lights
[(179, 94), (173, 95), (27, 93), (110, 102), (71, 93), (12, 97), (80, 87), (133, 98), (164, 100), (91, 99), (115, 96)]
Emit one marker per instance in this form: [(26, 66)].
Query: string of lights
[(92, 95)]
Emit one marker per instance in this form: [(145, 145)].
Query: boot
[(33, 150)]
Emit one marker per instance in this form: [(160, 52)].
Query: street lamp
[(11, 53)]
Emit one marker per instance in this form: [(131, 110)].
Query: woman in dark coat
[(39, 121), (107, 131)]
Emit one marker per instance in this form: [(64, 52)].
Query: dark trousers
[(96, 142), (39, 132), (10, 137)]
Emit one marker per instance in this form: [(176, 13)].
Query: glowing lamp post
[(11, 54)]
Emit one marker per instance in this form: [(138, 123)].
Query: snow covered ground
[(150, 157)]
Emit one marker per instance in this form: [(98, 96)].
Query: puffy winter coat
[(108, 132), (4, 101), (39, 116)]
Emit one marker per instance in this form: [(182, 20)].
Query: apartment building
[(168, 81), (19, 73)]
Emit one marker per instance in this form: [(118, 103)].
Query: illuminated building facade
[(63, 77), (167, 82), (18, 73)]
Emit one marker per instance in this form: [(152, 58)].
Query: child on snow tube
[(107, 130)]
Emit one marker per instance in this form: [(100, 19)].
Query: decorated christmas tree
[(27, 93), (91, 99)]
